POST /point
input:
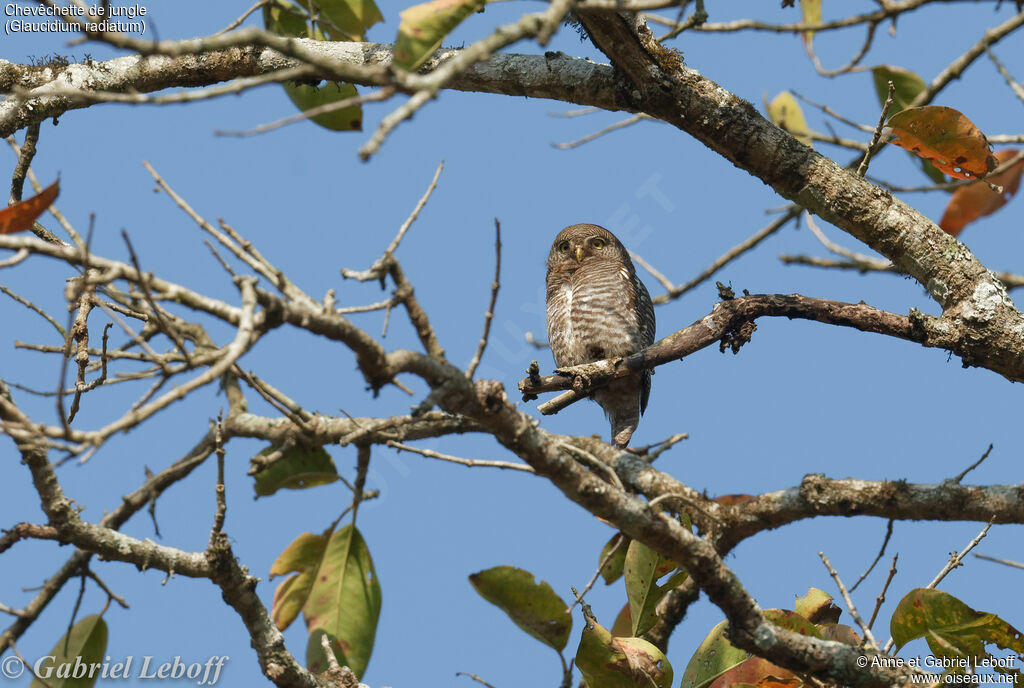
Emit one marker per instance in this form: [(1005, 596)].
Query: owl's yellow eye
[(597, 243), (563, 247)]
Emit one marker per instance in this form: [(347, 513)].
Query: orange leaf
[(20, 216), (753, 671), (970, 202), (946, 137)]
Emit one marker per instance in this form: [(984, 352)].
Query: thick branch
[(731, 324), (51, 90)]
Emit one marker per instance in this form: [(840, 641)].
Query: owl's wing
[(645, 318)]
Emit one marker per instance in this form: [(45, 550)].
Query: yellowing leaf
[(21, 216), (609, 662), (532, 606), (812, 15), (785, 112), (424, 26), (303, 556), (946, 137), (344, 603), (975, 200), (952, 629), (816, 606)]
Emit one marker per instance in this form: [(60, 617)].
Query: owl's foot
[(580, 381)]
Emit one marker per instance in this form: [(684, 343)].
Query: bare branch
[(489, 315)]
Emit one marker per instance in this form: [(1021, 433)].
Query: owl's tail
[(621, 403)]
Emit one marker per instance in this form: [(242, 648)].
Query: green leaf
[(298, 469), (424, 26), (612, 570), (785, 112), (302, 556), (86, 642), (286, 19), (952, 629), (643, 568), (714, 657), (344, 602), (608, 662), (532, 606), (906, 87), (347, 20), (307, 97)]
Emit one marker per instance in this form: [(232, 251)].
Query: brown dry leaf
[(20, 216), (968, 203), (946, 137)]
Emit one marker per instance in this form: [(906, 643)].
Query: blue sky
[(800, 398)]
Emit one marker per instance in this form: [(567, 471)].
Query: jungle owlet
[(598, 308)]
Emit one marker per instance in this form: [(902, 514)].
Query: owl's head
[(577, 244)]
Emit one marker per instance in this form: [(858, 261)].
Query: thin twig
[(326, 108), (656, 274), (1006, 562), (103, 586), (881, 553), (474, 677), (974, 465), (868, 635), (877, 263), (880, 600), (862, 169), (956, 558), (455, 459), (1017, 89), (156, 310), (593, 462), (732, 254), (362, 468), (489, 315), (28, 304), (598, 134), (236, 23), (600, 567)]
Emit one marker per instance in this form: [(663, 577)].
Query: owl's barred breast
[(594, 315)]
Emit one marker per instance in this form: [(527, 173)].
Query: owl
[(598, 308)]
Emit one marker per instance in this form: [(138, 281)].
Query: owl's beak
[(579, 254)]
